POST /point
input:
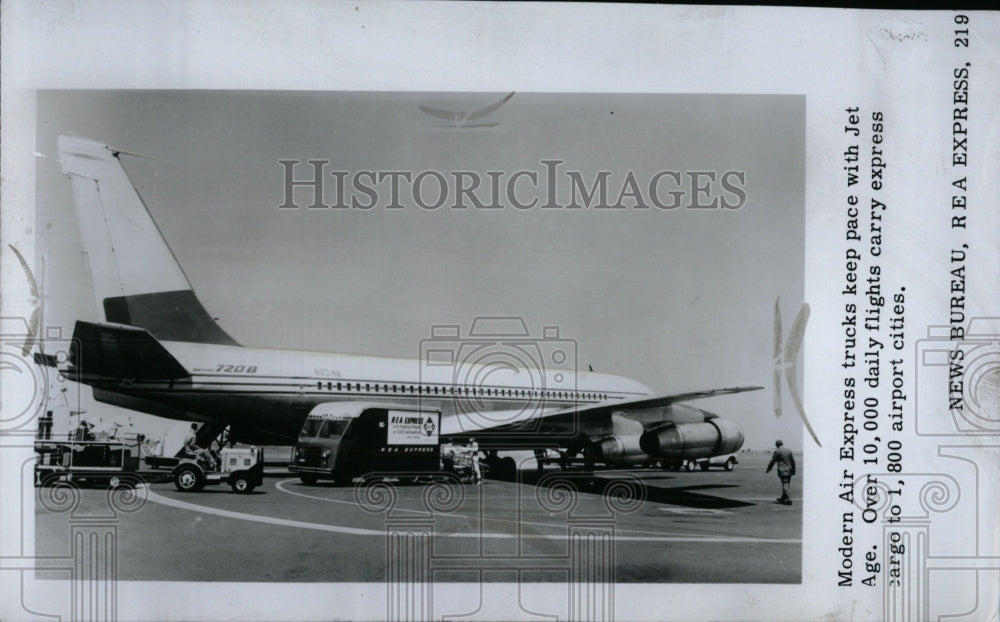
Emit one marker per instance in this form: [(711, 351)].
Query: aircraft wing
[(662, 400), (534, 427)]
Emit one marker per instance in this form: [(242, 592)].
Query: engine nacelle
[(714, 437), (623, 448)]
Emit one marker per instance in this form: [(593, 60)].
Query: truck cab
[(342, 440)]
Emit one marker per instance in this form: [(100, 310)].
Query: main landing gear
[(500, 468)]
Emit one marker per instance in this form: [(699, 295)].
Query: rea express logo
[(411, 428)]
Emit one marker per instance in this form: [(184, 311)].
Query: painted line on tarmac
[(473, 517), (284, 522), (280, 486), (357, 531)]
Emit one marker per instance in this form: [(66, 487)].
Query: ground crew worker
[(448, 457), (191, 441), (192, 450), (84, 432), (473, 449), (783, 457)]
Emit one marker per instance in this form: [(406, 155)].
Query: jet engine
[(714, 437), (619, 449)]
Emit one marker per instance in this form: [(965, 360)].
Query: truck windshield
[(310, 428), (323, 428), (332, 428)]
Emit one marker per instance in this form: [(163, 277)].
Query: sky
[(677, 299)]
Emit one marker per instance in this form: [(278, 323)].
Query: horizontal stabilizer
[(115, 352)]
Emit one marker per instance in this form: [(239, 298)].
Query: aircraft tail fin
[(135, 277)]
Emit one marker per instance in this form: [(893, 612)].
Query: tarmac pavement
[(634, 526)]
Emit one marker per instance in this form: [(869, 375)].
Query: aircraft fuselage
[(274, 390)]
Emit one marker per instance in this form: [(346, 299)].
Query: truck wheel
[(188, 478), (308, 480), (730, 464), (240, 484)]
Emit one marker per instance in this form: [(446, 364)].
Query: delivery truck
[(343, 440)]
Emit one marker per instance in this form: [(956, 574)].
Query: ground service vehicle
[(344, 440), (727, 462), (118, 463), (241, 467), (109, 463)]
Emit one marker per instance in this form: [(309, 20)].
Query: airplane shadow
[(691, 496)]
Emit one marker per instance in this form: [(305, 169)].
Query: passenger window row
[(451, 390)]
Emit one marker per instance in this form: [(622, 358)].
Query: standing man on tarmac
[(473, 449), (783, 457)]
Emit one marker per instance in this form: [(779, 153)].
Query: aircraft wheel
[(688, 465), (704, 466), (730, 464), (188, 478)]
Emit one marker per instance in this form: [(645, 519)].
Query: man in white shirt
[(473, 449)]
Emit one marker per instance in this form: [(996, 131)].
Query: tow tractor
[(241, 467)]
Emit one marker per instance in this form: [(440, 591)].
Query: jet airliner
[(154, 348)]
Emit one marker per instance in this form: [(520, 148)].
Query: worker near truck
[(84, 432), (473, 449), (192, 450)]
